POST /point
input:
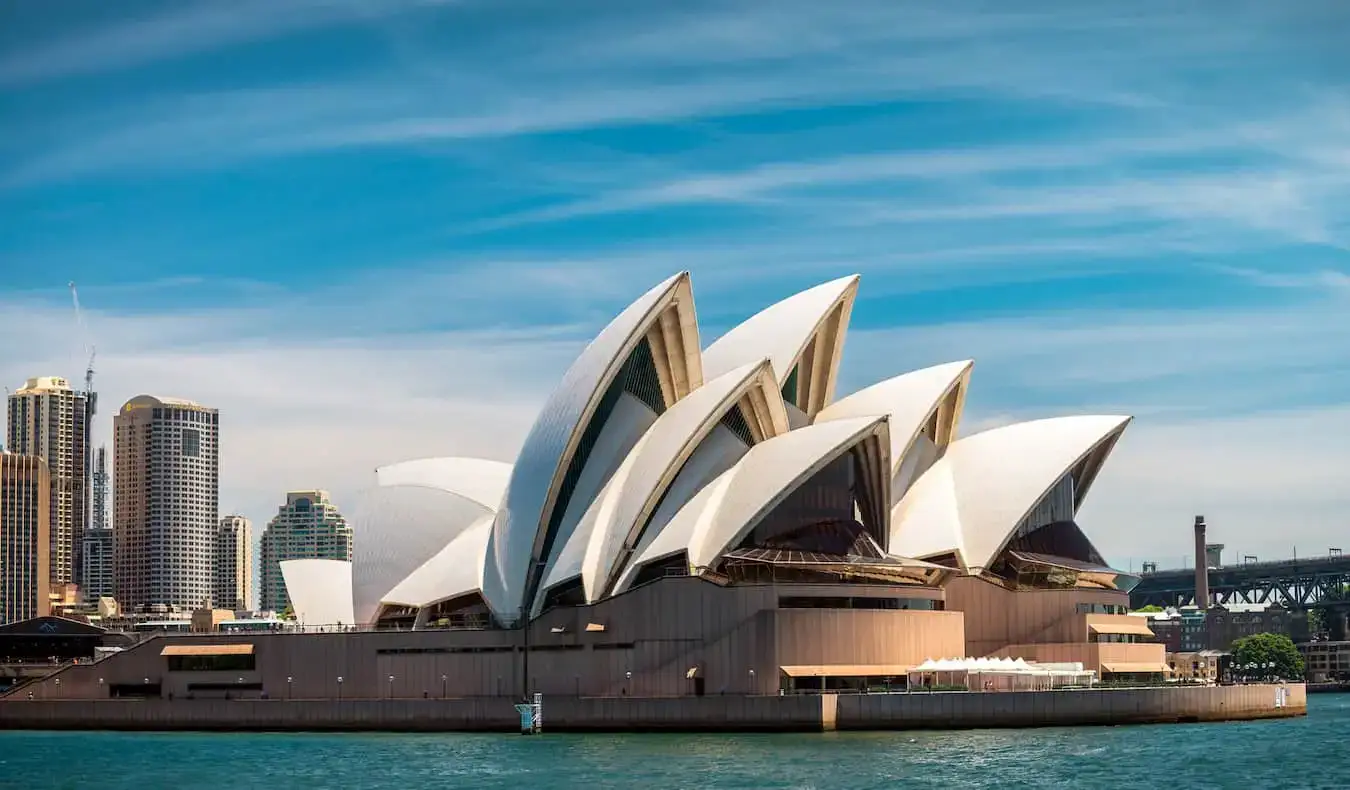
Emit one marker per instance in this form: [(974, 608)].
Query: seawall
[(898, 711)]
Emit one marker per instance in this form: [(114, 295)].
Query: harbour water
[(1306, 752)]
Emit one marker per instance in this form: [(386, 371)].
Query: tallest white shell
[(532, 493)]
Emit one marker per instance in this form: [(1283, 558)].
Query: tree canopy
[(1150, 609), (1267, 656)]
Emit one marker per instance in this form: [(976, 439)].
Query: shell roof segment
[(910, 399), (977, 494), (455, 570), (521, 529), (619, 515), (784, 332), (320, 591), (479, 480)]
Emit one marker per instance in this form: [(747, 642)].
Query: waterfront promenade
[(896, 711)]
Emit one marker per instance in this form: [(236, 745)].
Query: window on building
[(229, 663)]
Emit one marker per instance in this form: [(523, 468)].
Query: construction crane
[(92, 397)]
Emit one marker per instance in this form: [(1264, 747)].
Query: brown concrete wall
[(1091, 654), (738, 713), (996, 617), (730, 713), (1056, 708), (861, 636), (657, 632)]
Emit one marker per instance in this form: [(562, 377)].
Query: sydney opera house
[(686, 519)]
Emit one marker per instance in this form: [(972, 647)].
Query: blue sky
[(369, 231)]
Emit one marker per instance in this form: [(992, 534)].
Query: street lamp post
[(391, 687), (289, 679), (752, 681), (339, 687), (442, 686), (628, 681)]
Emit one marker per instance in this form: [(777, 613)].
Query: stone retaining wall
[(729, 713), (1055, 708)]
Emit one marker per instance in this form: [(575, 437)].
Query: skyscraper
[(96, 556), (96, 564), (98, 516), (25, 546), (308, 526), (166, 474), (50, 420), (233, 565)]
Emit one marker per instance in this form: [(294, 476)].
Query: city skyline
[(391, 249)]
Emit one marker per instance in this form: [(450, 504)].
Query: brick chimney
[(1201, 566)]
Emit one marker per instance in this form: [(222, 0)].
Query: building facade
[(1204, 666), (308, 526), (1326, 661), (50, 420), (233, 565), (25, 545), (96, 564), (1227, 624), (166, 473)]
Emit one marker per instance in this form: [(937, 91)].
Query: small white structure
[(320, 592), (998, 674)]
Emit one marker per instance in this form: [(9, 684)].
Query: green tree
[(288, 613), (1266, 656), (1150, 609)]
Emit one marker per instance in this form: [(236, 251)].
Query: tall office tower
[(50, 420), (25, 545), (166, 473), (96, 556), (98, 516), (308, 526), (96, 564), (233, 585)]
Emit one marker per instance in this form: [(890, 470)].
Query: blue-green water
[(1312, 752)]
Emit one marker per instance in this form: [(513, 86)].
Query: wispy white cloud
[(600, 70), (181, 29)]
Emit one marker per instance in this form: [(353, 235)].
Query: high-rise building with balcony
[(166, 472), (50, 420), (25, 502), (232, 587), (308, 526)]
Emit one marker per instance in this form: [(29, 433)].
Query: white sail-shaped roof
[(678, 533), (416, 508), (453, 571), (806, 328), (767, 474), (976, 495), (617, 517), (320, 591), (520, 534), (478, 480), (911, 400)]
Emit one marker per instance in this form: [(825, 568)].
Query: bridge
[(1300, 583)]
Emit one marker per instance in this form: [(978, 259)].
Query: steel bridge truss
[(1293, 583)]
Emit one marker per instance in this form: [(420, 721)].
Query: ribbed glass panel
[(1055, 506), (790, 386), (734, 421)]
